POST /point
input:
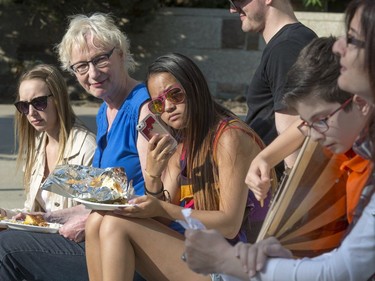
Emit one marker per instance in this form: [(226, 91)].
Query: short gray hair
[(105, 34)]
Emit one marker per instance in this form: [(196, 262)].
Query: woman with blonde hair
[(96, 52), (49, 134)]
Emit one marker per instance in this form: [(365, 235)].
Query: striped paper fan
[(308, 211)]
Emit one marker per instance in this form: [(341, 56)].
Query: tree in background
[(29, 29)]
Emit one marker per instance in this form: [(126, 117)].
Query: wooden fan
[(308, 211)]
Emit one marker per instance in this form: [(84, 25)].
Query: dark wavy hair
[(203, 115)]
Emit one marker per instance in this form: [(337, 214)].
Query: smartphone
[(150, 126)]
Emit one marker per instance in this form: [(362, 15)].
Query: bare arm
[(283, 122), (142, 143), (235, 151), (208, 252), (258, 176)]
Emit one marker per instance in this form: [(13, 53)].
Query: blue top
[(118, 147)]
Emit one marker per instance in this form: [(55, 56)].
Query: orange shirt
[(358, 170)]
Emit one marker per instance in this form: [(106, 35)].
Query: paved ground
[(11, 190)]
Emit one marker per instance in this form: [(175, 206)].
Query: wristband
[(152, 176), (154, 193)]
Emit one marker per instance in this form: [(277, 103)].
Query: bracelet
[(166, 196), (152, 176), (154, 193)]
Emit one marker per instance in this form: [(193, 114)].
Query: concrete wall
[(214, 40), (324, 24)]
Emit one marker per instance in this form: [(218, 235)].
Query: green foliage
[(29, 30), (308, 3), (195, 3), (57, 11)]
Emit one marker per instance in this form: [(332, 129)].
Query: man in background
[(285, 36)]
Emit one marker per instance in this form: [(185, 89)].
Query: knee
[(113, 225), (93, 224)]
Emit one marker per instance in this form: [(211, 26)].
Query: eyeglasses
[(174, 95), (39, 103), (100, 61), (354, 41), (321, 126)]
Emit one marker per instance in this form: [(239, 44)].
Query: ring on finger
[(183, 257)]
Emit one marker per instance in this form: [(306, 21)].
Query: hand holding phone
[(150, 126)]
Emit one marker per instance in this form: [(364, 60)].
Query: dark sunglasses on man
[(39, 103)]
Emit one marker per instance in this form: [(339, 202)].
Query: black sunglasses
[(39, 103), (237, 5)]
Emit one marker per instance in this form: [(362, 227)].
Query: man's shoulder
[(290, 39), (295, 33)]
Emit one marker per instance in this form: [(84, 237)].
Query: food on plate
[(112, 184), (106, 181), (74, 181), (96, 185), (111, 179), (36, 220)]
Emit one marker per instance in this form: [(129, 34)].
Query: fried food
[(36, 220), (96, 182), (73, 181)]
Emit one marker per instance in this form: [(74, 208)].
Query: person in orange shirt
[(354, 259), (331, 116), (359, 170), (336, 119)]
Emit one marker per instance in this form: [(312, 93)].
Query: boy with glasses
[(329, 115), (285, 37)]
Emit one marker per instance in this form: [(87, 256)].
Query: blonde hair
[(103, 33), (26, 133)]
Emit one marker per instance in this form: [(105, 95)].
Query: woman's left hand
[(145, 206)]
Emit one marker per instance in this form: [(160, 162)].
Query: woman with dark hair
[(205, 172), (355, 258)]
